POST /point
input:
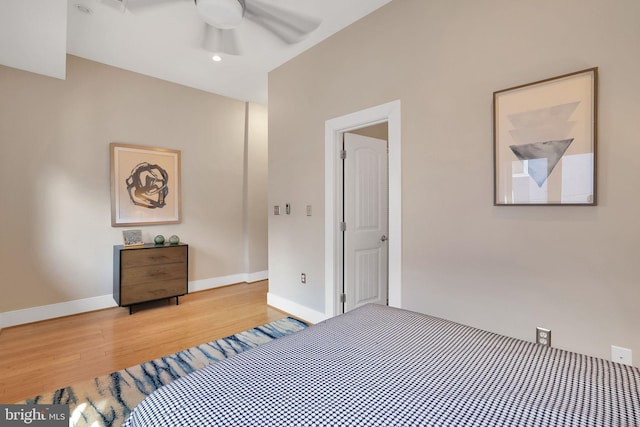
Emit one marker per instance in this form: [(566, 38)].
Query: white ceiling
[(163, 41)]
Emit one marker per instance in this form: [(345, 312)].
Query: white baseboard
[(295, 309), (68, 308), (256, 277), (44, 312), (216, 282)]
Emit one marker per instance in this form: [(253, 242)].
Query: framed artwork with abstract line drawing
[(145, 185), (545, 141)]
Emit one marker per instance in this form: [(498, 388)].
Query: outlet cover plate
[(621, 355), (543, 336)]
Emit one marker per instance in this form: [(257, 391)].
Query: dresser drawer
[(153, 256), (152, 290), (153, 273)]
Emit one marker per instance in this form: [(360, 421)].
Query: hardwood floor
[(51, 354)]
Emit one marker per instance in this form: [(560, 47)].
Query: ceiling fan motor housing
[(223, 14)]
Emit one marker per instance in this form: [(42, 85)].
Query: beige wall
[(54, 153), (256, 152), (574, 270)]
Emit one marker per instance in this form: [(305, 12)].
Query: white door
[(365, 221)]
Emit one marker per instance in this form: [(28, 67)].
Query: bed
[(382, 366)]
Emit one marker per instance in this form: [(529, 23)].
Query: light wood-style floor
[(55, 353)]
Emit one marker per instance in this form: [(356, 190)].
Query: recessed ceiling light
[(217, 58), (83, 8)]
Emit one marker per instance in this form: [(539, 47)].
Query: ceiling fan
[(222, 17)]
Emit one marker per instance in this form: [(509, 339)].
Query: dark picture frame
[(545, 141), (145, 185)]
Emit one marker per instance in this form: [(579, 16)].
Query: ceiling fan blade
[(291, 27), (221, 41), (135, 6)]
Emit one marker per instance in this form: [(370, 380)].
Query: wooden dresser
[(150, 272)]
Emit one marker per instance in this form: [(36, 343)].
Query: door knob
[(384, 238)]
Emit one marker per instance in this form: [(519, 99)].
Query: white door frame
[(334, 128)]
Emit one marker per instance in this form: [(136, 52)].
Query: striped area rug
[(108, 400)]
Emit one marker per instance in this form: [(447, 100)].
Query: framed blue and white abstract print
[(545, 141)]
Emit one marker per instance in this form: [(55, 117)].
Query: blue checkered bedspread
[(381, 366)]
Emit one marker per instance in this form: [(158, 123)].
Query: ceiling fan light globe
[(224, 14)]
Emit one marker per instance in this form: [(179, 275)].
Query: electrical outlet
[(276, 210), (621, 355), (303, 278), (308, 210), (543, 336)]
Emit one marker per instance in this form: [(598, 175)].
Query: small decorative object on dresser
[(174, 240), (159, 239), (132, 237), (149, 272)]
